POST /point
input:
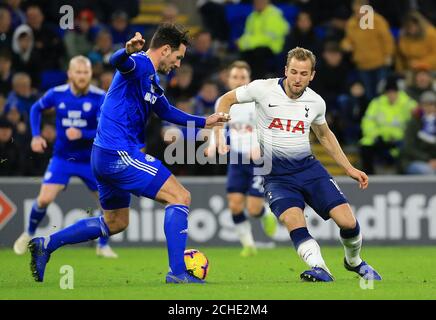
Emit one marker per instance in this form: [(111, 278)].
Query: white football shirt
[(242, 128), (282, 123)]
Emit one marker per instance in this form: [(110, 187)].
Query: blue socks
[(103, 240), (239, 218), (36, 215), (176, 233), (299, 236), (83, 230), (350, 233)]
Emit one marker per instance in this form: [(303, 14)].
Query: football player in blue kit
[(77, 106), (118, 160), (286, 110)]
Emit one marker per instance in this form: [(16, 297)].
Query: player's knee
[(183, 197), (348, 224), (291, 221), (44, 201), (236, 206), (116, 224), (254, 210)]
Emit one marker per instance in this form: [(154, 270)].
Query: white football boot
[(20, 245)]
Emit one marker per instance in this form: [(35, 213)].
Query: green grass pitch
[(408, 273)]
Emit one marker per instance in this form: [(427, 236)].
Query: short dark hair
[(172, 34)]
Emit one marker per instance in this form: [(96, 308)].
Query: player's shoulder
[(96, 90), (262, 85), (141, 59), (61, 88), (314, 97)]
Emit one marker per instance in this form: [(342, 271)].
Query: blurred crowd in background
[(378, 82)]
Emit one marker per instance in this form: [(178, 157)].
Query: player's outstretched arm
[(121, 59), (328, 140), (171, 114), (224, 105)]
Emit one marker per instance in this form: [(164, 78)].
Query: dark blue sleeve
[(122, 61), (167, 112), (46, 102), (88, 134)]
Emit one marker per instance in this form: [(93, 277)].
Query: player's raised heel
[(269, 223), (316, 274), (364, 270), (39, 258), (106, 252), (185, 277), (20, 245)]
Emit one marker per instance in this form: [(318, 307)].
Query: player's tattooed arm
[(328, 140)]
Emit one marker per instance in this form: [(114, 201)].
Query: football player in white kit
[(244, 189), (286, 109)]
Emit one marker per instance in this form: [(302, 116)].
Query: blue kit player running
[(120, 166), (286, 109), (244, 188), (77, 106)]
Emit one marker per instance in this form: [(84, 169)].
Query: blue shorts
[(120, 173), (59, 171), (240, 179), (313, 185)]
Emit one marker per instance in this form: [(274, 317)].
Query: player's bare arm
[(38, 144), (224, 105), (328, 140)]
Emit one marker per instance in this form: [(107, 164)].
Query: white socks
[(310, 252), (352, 248), (243, 230)]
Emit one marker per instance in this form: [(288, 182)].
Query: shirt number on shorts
[(257, 183)]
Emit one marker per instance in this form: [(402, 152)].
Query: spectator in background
[(419, 151), (11, 160), (25, 57), (422, 81), (332, 83), (5, 72), (417, 44), (204, 101), (371, 48), (36, 163), (21, 97), (180, 86), (169, 14), (213, 17), (17, 15), (303, 34), (120, 29), (383, 126), (263, 38), (2, 104), (47, 43), (19, 123), (80, 40), (6, 29), (105, 80), (202, 58), (102, 52)]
